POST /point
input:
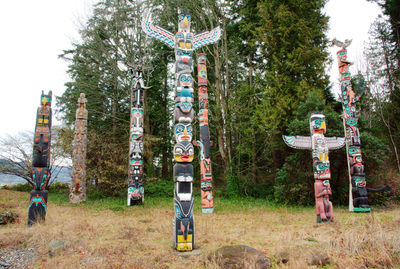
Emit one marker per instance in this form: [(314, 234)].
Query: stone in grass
[(312, 256), (56, 246), (241, 256), (8, 217)]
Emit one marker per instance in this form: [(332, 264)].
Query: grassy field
[(107, 234)]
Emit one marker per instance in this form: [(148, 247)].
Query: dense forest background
[(266, 75)]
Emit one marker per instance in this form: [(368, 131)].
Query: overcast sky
[(34, 33)]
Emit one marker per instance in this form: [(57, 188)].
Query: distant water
[(64, 176)]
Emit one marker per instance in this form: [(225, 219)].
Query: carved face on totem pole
[(327, 186), (40, 177), (183, 172), (183, 132), (184, 20), (136, 152), (183, 152), (202, 70), (185, 80), (184, 61), (342, 55), (203, 97), (183, 109), (45, 99), (317, 123), (358, 181)]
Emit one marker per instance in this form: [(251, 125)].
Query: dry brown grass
[(140, 237)]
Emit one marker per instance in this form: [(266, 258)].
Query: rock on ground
[(310, 255), (17, 257), (240, 256)]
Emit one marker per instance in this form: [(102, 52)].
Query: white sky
[(34, 33)]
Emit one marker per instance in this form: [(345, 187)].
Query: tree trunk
[(164, 162)]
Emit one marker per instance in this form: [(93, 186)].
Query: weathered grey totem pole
[(320, 146), (204, 143), (184, 42), (41, 160), (78, 180), (358, 199), (135, 172)]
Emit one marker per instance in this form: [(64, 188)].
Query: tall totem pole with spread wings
[(41, 160), (185, 43), (358, 191), (135, 173), (320, 146)]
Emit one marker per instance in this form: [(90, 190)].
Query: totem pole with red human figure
[(320, 146)]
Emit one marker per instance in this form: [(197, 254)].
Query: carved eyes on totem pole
[(184, 41), (326, 183), (183, 132), (359, 181), (185, 80), (137, 136), (183, 152), (321, 168)]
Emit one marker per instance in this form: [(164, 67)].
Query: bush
[(161, 188), (26, 187)]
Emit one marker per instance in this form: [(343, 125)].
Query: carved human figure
[(320, 146)]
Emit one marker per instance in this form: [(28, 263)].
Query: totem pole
[(320, 146), (184, 42), (204, 143), (78, 182), (41, 161), (135, 172), (358, 198)]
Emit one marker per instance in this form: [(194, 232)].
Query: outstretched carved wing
[(298, 142), (206, 38), (334, 142), (157, 32), (341, 44)]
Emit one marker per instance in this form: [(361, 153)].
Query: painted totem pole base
[(183, 234), (207, 210), (319, 220), (361, 210), (37, 206), (135, 200)]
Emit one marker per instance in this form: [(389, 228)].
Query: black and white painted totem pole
[(77, 192), (320, 146), (185, 43), (135, 173), (358, 191), (41, 161)]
